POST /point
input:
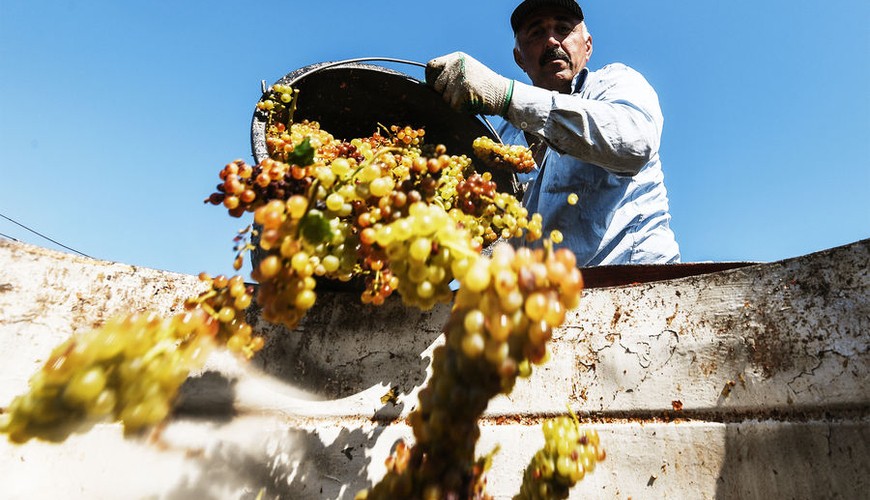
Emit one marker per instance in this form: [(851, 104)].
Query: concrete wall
[(748, 383)]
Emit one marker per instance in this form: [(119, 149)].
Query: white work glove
[(468, 85)]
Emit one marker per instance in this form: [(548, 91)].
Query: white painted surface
[(792, 337)]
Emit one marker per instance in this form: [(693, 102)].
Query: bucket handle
[(392, 60)]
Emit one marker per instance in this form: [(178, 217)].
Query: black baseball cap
[(526, 8)]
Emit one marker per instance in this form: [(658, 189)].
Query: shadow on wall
[(795, 460), (269, 460), (327, 356), (290, 464), (343, 347), (813, 328)]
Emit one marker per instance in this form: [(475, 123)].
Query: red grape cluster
[(226, 301), (246, 188)]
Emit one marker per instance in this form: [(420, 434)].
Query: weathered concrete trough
[(745, 383)]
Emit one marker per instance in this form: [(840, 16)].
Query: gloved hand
[(468, 85)]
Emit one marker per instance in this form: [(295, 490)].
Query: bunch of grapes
[(226, 301), (456, 170), (283, 135), (489, 215), (343, 209), (408, 135), (279, 103), (504, 313), (244, 188), (404, 216), (569, 453), (130, 370), (281, 141), (286, 274), (497, 155), (423, 249), (475, 195)]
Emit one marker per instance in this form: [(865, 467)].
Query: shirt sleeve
[(614, 121)]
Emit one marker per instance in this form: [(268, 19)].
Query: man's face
[(551, 48)]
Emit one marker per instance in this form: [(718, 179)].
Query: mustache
[(553, 54)]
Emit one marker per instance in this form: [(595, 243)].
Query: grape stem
[(573, 415), (374, 157), (463, 250), (384, 127), (376, 281), (292, 110), (201, 302)]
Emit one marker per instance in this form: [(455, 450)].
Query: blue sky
[(115, 117)]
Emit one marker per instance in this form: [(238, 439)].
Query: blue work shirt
[(602, 144)]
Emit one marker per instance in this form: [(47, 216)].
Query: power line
[(44, 236), (8, 237)]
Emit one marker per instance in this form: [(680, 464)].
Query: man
[(594, 133)]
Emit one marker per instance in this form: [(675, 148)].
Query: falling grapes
[(422, 249), (503, 316), (129, 370), (338, 210), (225, 302), (396, 213), (569, 453), (497, 155)]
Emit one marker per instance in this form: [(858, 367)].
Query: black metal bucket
[(349, 99)]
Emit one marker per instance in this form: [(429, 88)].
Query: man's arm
[(615, 122)]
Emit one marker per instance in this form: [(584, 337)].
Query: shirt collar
[(579, 80)]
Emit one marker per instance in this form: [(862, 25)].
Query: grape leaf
[(314, 227), (302, 154)]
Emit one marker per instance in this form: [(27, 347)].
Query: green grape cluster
[(569, 453), (278, 104), (508, 305), (503, 316), (421, 249), (130, 370), (497, 155)]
